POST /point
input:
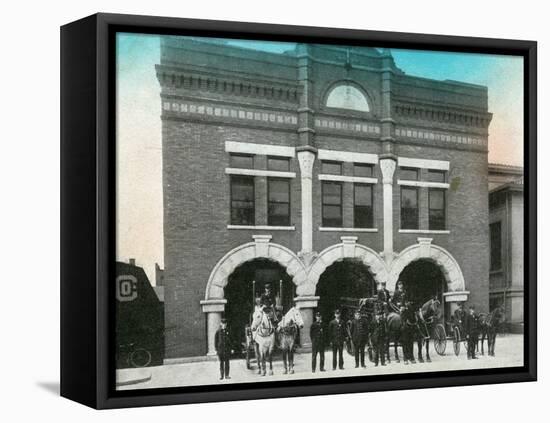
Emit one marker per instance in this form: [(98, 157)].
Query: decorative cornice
[(448, 137)]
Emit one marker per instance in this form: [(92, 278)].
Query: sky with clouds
[(139, 174)]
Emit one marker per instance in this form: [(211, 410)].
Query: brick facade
[(214, 93)]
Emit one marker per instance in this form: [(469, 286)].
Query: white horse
[(264, 335), (288, 329)]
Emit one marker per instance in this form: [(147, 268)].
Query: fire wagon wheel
[(456, 341), (440, 339)]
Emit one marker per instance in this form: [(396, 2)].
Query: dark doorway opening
[(245, 284), (343, 280), (423, 280)]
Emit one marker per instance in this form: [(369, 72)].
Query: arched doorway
[(342, 281), (246, 283), (423, 279)]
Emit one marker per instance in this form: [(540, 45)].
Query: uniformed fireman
[(223, 348), (471, 328), (379, 338), (318, 342), (383, 296), (398, 299), (337, 336), (359, 335)]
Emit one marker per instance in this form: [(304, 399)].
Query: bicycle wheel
[(140, 357)]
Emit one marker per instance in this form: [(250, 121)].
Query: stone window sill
[(327, 229), (262, 227), (423, 231)]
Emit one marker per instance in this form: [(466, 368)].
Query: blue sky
[(139, 175)]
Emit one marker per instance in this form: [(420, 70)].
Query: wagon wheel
[(440, 339), (456, 341)]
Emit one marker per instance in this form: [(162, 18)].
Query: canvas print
[(292, 211)]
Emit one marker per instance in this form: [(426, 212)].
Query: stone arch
[(260, 248), (425, 250), (347, 249)]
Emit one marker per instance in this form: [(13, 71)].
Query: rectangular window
[(437, 175), (409, 208), (408, 174), (332, 204), (436, 200), (362, 206), (495, 230), (281, 164), (331, 168), (278, 202), (243, 161), (242, 200), (362, 170)]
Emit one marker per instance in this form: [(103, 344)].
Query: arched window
[(347, 97)]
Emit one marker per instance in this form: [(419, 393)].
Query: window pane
[(241, 161), (437, 199), (409, 198), (332, 216), (363, 170), (242, 200), (332, 193), (363, 217), (279, 191), (331, 168), (242, 189), (409, 208), (436, 175), (408, 174), (496, 245), (278, 163), (363, 195)]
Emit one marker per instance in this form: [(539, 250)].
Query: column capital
[(387, 166)]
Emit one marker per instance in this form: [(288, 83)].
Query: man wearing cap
[(223, 348), (266, 300), (379, 339), (472, 332), (409, 332), (359, 336), (337, 336), (317, 335)]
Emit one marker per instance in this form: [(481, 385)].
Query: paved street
[(509, 353)]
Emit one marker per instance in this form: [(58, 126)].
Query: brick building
[(506, 241), (324, 170)]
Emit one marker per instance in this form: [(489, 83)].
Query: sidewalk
[(509, 353)]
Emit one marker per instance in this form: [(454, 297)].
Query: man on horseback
[(267, 303), (399, 297), (383, 296)]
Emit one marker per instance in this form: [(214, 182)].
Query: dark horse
[(422, 324), (489, 325), (429, 312)]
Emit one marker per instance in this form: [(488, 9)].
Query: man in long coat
[(223, 348), (359, 335), (318, 342), (337, 336), (471, 328)]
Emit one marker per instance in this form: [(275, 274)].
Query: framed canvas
[(258, 211)]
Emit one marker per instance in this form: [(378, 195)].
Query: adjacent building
[(506, 241), (322, 171)]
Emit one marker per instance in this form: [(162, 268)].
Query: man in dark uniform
[(459, 314), (471, 329), (378, 338), (383, 296), (408, 332), (337, 336), (223, 348), (359, 335), (399, 297), (317, 335)]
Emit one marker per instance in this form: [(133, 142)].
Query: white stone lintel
[(456, 296), (254, 148), (331, 229), (306, 301), (261, 238), (346, 156), (423, 184), (353, 179), (259, 172), (422, 163), (348, 239)]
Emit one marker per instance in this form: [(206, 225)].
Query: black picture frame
[(88, 214)]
